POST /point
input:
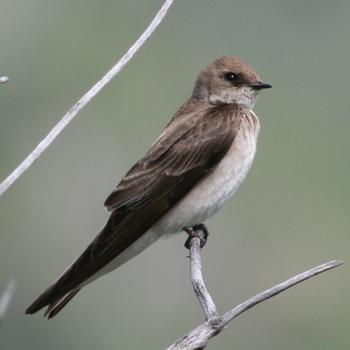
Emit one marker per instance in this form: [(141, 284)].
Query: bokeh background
[(291, 214)]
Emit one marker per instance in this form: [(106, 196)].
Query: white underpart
[(203, 200)]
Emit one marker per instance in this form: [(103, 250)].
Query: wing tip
[(54, 306)]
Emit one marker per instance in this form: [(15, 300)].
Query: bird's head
[(228, 80)]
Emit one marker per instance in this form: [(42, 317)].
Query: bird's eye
[(230, 76)]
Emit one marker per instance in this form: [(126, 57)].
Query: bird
[(199, 160)]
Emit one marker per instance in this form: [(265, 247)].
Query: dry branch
[(85, 99), (199, 337)]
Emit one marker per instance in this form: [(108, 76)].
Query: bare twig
[(6, 298), (269, 293), (199, 287), (85, 99), (199, 337), (3, 79)]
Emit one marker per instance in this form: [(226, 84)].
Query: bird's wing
[(194, 143), (187, 150), (185, 153)]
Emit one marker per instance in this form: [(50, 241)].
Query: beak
[(260, 85)]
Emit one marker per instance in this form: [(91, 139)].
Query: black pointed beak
[(260, 85)]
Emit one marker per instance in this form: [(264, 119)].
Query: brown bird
[(196, 164)]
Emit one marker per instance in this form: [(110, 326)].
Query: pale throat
[(244, 96)]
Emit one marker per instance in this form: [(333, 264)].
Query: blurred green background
[(291, 214)]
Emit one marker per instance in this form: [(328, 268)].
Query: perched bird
[(196, 164)]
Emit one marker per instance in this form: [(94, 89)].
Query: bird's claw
[(199, 231)]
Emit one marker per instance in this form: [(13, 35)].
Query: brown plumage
[(189, 149)]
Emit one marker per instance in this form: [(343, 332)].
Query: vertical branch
[(199, 287), (85, 99)]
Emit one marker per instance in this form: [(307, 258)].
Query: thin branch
[(199, 287), (6, 299), (269, 293), (199, 337), (85, 99), (3, 79)]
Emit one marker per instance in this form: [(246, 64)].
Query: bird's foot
[(200, 231)]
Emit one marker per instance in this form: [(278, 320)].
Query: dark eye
[(230, 76)]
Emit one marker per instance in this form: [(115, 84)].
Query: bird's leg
[(200, 231)]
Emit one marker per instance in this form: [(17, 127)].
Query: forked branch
[(199, 337)]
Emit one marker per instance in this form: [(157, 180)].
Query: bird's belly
[(212, 192)]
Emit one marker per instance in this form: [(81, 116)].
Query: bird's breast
[(211, 193)]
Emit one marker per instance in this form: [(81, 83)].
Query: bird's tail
[(55, 303)]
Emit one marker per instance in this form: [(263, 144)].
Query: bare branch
[(199, 287), (85, 99), (6, 298), (269, 293), (199, 337), (3, 79)]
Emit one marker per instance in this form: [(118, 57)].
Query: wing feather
[(186, 143)]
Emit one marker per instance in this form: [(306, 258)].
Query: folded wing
[(186, 152)]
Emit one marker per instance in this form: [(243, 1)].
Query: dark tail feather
[(55, 304)]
